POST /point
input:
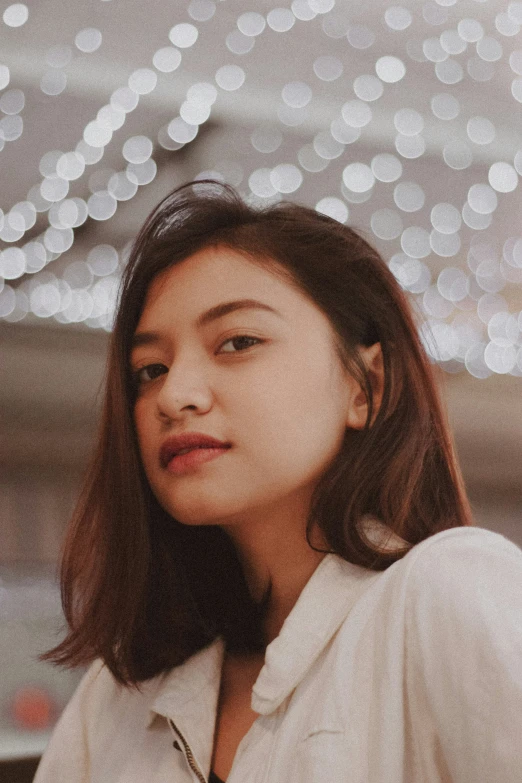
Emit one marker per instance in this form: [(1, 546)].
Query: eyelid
[(236, 336)]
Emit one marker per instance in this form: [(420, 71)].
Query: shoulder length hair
[(144, 592)]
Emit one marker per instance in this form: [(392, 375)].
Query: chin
[(198, 515)]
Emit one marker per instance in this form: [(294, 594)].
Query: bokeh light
[(374, 138), (16, 15), (88, 40)]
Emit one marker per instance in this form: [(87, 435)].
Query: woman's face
[(280, 398)]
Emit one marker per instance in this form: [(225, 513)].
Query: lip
[(190, 461), (194, 440)]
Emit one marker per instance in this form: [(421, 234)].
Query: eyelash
[(137, 373)]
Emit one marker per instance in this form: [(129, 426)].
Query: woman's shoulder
[(101, 700), (462, 578), (451, 554), (466, 536), (455, 567), (447, 559), (101, 714)]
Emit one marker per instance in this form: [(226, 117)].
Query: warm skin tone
[(284, 403)]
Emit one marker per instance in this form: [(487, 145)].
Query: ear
[(358, 405)]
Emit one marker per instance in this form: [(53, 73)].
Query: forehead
[(214, 274)]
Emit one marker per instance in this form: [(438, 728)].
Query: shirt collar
[(190, 691), (320, 610), (188, 695)]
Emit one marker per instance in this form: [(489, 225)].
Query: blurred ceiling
[(401, 119)]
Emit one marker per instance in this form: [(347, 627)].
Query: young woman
[(272, 569)]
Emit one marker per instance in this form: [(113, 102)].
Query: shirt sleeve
[(66, 757), (464, 644)]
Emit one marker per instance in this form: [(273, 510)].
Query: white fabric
[(411, 675)]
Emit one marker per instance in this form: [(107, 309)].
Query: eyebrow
[(218, 311)]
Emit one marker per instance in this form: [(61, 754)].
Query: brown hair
[(144, 592)]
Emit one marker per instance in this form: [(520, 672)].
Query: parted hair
[(144, 592)]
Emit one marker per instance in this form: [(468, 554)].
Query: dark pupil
[(241, 341), (154, 370)]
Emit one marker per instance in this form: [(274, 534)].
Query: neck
[(278, 556)]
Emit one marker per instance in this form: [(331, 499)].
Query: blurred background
[(402, 120)]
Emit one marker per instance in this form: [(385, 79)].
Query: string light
[(467, 316)]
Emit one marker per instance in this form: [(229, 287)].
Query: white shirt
[(411, 675)]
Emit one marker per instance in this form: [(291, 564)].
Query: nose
[(183, 388)]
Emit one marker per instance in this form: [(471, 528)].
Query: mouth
[(190, 442), (189, 460)]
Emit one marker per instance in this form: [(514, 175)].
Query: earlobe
[(358, 410)]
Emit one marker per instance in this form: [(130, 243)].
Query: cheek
[(298, 427), (324, 411)]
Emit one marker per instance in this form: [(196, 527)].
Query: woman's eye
[(239, 339), (148, 373)]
